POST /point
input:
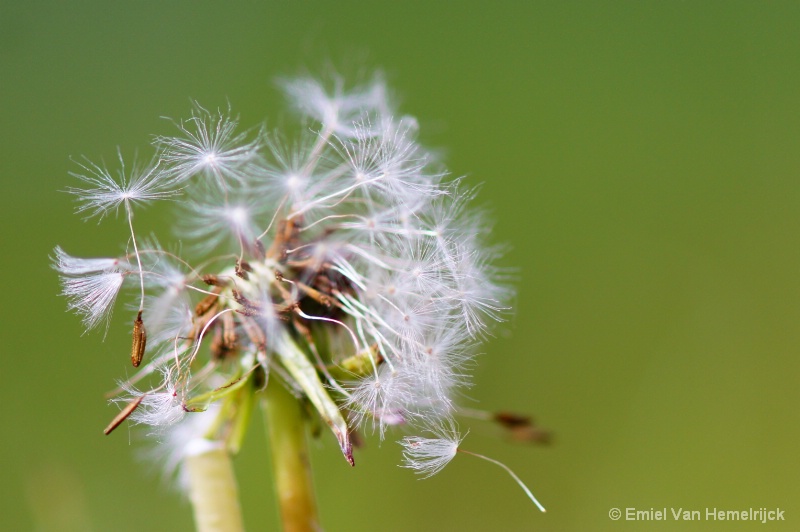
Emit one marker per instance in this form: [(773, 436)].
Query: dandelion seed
[(428, 456), (338, 110), (209, 146), (104, 193)]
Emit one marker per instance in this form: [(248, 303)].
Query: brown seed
[(285, 235), (253, 307), (511, 420), (531, 435), (213, 280), (139, 341), (274, 250), (254, 333), (123, 415), (229, 336), (316, 295), (207, 302), (217, 345), (260, 250), (199, 323), (220, 351), (241, 269)]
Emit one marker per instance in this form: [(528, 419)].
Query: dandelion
[(344, 269)]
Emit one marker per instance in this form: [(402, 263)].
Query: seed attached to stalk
[(242, 269), (214, 280), (261, 251), (207, 302), (139, 341)]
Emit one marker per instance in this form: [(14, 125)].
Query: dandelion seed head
[(345, 264)]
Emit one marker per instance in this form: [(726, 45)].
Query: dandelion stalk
[(290, 461), (212, 487)]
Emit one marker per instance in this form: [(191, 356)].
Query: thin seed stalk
[(290, 460), (212, 487)]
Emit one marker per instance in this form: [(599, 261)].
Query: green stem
[(290, 461), (212, 487)]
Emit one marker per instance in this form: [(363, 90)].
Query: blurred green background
[(641, 159)]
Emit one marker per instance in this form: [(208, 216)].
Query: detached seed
[(123, 415)]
